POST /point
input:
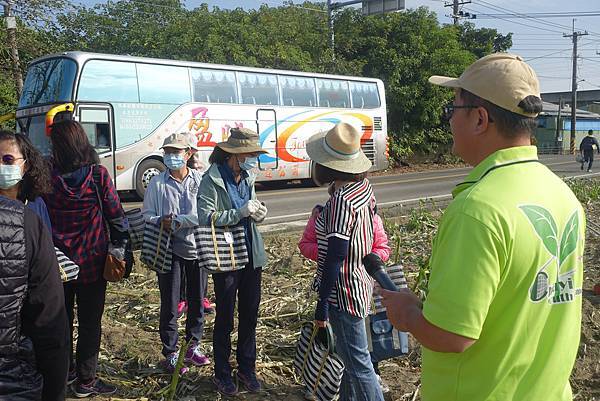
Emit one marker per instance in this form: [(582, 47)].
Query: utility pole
[(11, 33), (575, 35), (330, 9), (455, 4)]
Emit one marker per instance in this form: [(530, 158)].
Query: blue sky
[(540, 41)]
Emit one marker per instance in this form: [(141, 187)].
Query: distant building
[(585, 98), (550, 139)]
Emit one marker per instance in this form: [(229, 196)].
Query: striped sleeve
[(340, 219)]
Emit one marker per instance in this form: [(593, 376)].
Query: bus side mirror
[(66, 113)]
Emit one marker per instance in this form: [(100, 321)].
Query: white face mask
[(10, 175), (249, 163)]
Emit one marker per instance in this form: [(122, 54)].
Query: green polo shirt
[(507, 270)]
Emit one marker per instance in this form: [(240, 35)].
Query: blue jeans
[(359, 381)]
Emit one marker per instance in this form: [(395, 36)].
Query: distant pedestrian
[(587, 150), (79, 231), (171, 201), (228, 197)]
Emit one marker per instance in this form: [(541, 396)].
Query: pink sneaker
[(170, 363), (181, 308), (208, 307), (194, 356)]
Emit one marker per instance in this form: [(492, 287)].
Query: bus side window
[(297, 91), (211, 84), (364, 95), (259, 88), (96, 125), (333, 93)]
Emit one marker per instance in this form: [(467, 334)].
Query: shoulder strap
[(97, 186)]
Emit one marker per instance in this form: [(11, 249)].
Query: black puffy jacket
[(19, 379)]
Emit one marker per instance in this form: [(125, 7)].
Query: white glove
[(249, 208), (260, 214)]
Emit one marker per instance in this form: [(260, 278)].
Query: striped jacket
[(348, 214)]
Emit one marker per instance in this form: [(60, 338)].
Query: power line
[(541, 15), (535, 19)]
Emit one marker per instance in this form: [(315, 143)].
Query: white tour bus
[(128, 105)]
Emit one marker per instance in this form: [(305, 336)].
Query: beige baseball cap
[(177, 141), (501, 78)]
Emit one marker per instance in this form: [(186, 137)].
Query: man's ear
[(483, 120)]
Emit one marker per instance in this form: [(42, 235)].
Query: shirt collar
[(497, 159), (184, 178), (225, 169)]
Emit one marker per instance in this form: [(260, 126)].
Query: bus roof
[(81, 57)]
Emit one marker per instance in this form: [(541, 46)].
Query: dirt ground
[(131, 346)]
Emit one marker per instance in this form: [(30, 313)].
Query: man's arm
[(404, 310), (44, 316)]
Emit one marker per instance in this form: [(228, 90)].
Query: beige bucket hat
[(339, 149), (501, 78), (241, 140)]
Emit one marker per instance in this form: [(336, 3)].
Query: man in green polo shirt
[(503, 313)]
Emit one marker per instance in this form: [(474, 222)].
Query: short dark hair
[(218, 156), (325, 175), (71, 148), (590, 132), (509, 124), (36, 179)]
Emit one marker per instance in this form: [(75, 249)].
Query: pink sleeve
[(308, 244), (380, 240)]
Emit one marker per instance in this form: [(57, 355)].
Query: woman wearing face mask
[(170, 201), (227, 191), (24, 174)]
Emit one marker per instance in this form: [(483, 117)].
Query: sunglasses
[(10, 159), (448, 110)]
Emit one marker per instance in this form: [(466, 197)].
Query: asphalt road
[(295, 203)]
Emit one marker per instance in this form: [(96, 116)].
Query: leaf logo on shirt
[(560, 245)]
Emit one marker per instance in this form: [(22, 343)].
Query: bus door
[(266, 125), (97, 121)]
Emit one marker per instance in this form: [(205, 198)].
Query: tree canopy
[(403, 49)]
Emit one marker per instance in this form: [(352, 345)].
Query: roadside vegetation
[(402, 49)]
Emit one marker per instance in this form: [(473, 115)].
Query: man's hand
[(321, 323), (401, 307)]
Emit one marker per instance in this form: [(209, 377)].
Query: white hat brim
[(317, 153), (448, 82)]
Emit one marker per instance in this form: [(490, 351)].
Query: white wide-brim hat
[(339, 149)]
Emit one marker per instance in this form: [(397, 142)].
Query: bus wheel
[(145, 172)]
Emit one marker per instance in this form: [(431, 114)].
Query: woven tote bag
[(221, 249), (315, 361), (156, 248)]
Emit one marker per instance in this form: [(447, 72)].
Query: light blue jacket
[(153, 200), (213, 198)]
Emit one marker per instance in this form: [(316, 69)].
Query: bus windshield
[(49, 81)]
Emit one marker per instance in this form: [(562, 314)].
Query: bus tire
[(145, 172)]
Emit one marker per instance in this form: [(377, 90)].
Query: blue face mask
[(10, 175), (174, 161), (249, 163)]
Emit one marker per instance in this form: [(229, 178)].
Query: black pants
[(170, 293), (588, 156), (245, 285), (90, 307)]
